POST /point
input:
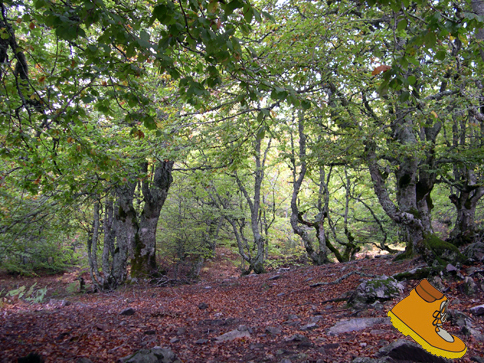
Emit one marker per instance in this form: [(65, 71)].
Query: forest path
[(188, 318)]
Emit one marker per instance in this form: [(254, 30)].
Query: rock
[(467, 330), (470, 286), (329, 346), (245, 328), (275, 277), (150, 332), (474, 252), (202, 306), (459, 318), (377, 305), (297, 338), (273, 330), (315, 319), (83, 360), (174, 340), (436, 282), (153, 355), (382, 288), (309, 326), (478, 310), (285, 360), (418, 273), (127, 312), (201, 341), (409, 351), (450, 268), (477, 359), (345, 326), (232, 335)]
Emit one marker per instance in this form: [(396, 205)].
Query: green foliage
[(31, 295), (111, 85)]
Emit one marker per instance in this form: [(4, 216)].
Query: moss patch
[(433, 250)]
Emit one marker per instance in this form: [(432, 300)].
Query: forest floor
[(188, 318)]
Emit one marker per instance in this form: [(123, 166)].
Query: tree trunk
[(320, 256), (256, 262), (143, 263), (407, 214), (108, 249), (465, 204), (92, 249), (126, 229)]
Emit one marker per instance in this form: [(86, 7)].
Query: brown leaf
[(380, 69)]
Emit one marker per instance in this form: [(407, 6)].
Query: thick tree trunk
[(465, 205), (143, 263), (126, 229), (407, 214)]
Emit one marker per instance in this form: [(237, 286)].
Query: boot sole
[(407, 331)]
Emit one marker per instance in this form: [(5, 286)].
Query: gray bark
[(465, 203), (256, 262), (154, 196), (319, 256), (405, 217), (92, 249), (478, 9), (125, 221)]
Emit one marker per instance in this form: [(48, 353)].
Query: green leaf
[(440, 55), (306, 104), (430, 39), (230, 7), (404, 96), (411, 80), (402, 25), (396, 6), (149, 122), (261, 133), (268, 16), (248, 14)]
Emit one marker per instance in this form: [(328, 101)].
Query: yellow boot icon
[(420, 315)]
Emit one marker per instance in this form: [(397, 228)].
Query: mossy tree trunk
[(154, 192)]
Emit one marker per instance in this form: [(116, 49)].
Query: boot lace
[(440, 316)]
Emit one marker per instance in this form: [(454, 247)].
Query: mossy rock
[(378, 289), (436, 252), (415, 274)]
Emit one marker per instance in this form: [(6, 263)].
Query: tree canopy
[(317, 128)]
